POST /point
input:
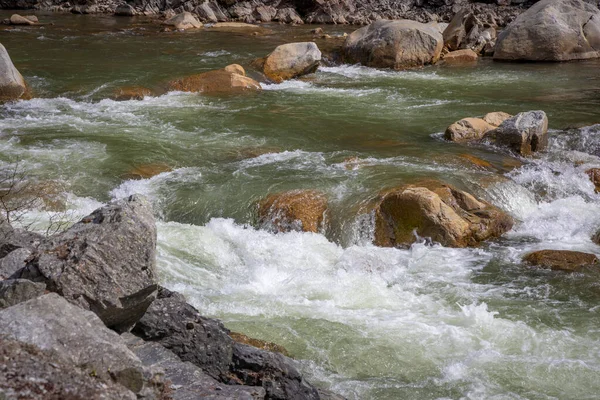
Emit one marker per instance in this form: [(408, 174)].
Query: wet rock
[(476, 161), (147, 171), (17, 19), (125, 10), (187, 381), (467, 56), (394, 44), (178, 326), (467, 129), (12, 84), (15, 291), (104, 263), (131, 93), (296, 210), (27, 372), (220, 81), (14, 262), (292, 60), (440, 212), (552, 30), (525, 133), (184, 21), (563, 260), (594, 174), (78, 337), (259, 344)]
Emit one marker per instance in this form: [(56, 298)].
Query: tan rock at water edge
[(439, 212), (12, 84), (222, 81), (131, 93), (17, 19), (594, 174), (552, 30), (292, 60), (259, 344), (525, 133), (467, 129), (296, 210), (467, 56), (184, 21), (562, 260), (238, 27), (394, 44), (235, 69)]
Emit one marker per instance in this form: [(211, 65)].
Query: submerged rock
[(105, 263), (184, 21), (296, 210), (437, 211), (131, 93), (394, 44), (238, 27), (12, 84), (552, 30), (146, 171), (292, 60), (594, 174), (525, 133), (259, 344), (77, 337), (222, 81), (563, 260)]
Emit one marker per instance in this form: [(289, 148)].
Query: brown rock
[(476, 161), (563, 260), (594, 174), (131, 93), (146, 171), (496, 118), (17, 19), (291, 60), (220, 81), (467, 129), (525, 133), (440, 212), (184, 21), (235, 69), (299, 210), (461, 57), (239, 27), (259, 344)]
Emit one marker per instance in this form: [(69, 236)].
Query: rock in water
[(76, 336), (184, 21), (440, 212), (525, 133), (222, 81), (105, 263), (12, 84), (563, 260), (552, 30), (467, 129), (17, 19), (131, 93), (594, 174), (292, 60), (296, 210), (394, 44), (467, 56)]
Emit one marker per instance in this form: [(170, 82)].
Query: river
[(427, 322)]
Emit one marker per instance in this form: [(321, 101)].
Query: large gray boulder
[(105, 263), (394, 44), (525, 133), (77, 337), (552, 30), (12, 84), (292, 60), (15, 291)]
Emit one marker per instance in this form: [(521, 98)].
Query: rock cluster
[(66, 310)]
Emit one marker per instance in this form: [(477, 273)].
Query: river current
[(427, 322)]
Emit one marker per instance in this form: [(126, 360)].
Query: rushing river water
[(370, 323)]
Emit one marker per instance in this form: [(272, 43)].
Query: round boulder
[(291, 60), (467, 56), (562, 260), (12, 84), (552, 30), (296, 210), (525, 133), (222, 81), (184, 21), (394, 44), (467, 129)]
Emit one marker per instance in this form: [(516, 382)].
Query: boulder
[(125, 10), (436, 211), (594, 174), (222, 81), (27, 372), (288, 15), (17, 19), (12, 84), (552, 30), (296, 210), (467, 56), (235, 69), (77, 337), (467, 129), (265, 13), (14, 262), (32, 18), (12, 239), (394, 44), (184, 21), (466, 31), (563, 260), (15, 291), (291, 60), (131, 93), (239, 27), (525, 133), (496, 118), (104, 263)]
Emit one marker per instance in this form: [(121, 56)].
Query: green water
[(369, 323)]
